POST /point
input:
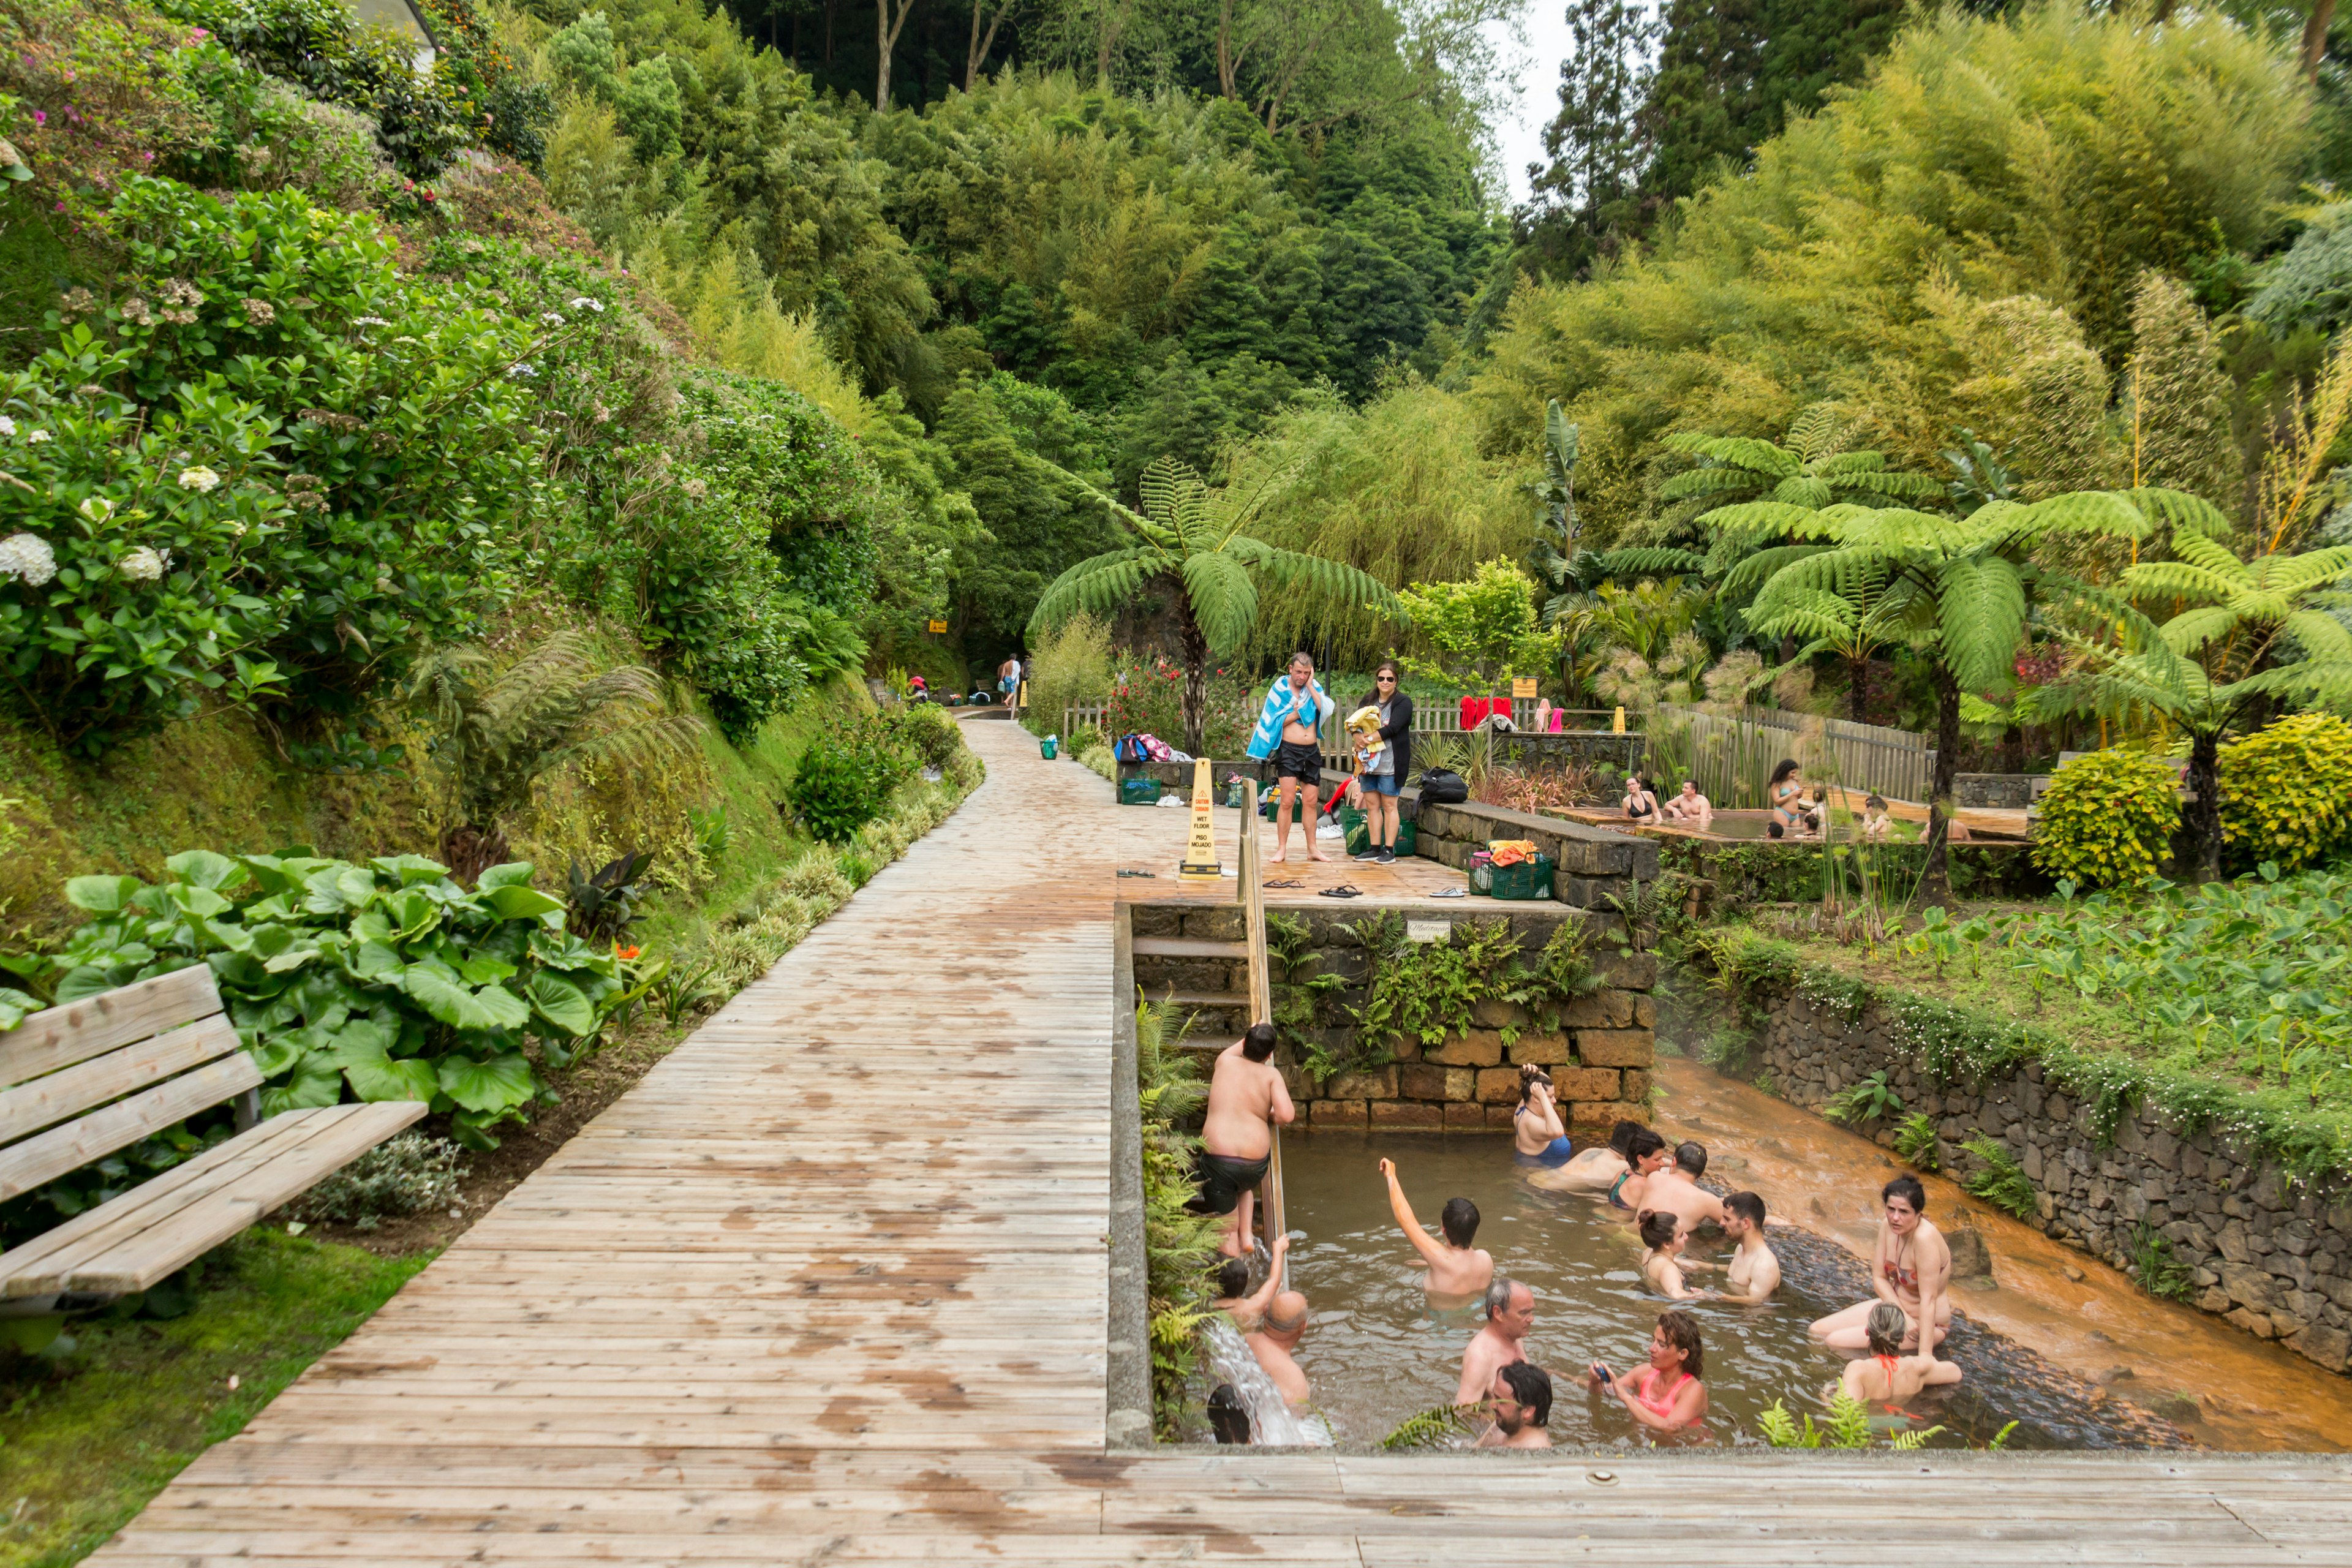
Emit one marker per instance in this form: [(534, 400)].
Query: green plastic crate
[(1359, 833), (1143, 790), (1529, 879)]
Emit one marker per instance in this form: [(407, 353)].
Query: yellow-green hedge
[(2286, 791), (2107, 818)]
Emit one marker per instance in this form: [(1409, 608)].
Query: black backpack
[(1440, 786)]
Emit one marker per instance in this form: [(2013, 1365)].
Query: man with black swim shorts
[(1244, 1093), (1298, 760)]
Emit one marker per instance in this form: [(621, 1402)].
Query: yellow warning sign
[(1523, 689), (1200, 852)]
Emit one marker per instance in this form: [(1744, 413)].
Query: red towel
[(1475, 710)]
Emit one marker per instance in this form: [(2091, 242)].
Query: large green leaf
[(492, 1007), (499, 1084), (409, 1079), (315, 1082), (410, 869), (15, 1009), (412, 914), (561, 1003), (102, 895), (204, 868), (480, 969), (79, 985), (275, 1054), (515, 902), (514, 873), (375, 961)]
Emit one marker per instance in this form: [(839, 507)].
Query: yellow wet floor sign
[(1201, 851)]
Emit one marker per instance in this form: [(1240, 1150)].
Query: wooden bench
[(95, 1076)]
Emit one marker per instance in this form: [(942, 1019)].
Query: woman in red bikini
[(1887, 1376), (1911, 1268), (1665, 1395)]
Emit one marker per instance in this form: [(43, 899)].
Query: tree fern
[(1193, 536)]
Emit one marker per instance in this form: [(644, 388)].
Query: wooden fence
[(1439, 717), (1732, 755)]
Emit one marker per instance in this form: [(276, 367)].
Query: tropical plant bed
[(2228, 1002)]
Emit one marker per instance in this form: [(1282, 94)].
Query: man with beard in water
[(1245, 1092), (1521, 1400)]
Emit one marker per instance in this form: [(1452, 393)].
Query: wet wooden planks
[(829, 1287)]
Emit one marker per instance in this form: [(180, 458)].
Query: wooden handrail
[(1261, 1002)]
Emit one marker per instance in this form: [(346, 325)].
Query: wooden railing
[(1271, 1223), (1731, 755)]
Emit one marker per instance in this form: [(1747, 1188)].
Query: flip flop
[(1284, 882), (1342, 891), (1451, 893)]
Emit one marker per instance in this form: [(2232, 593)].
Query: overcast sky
[(1519, 131)]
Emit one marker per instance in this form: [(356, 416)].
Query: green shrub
[(844, 780), (1998, 1179), (2286, 791), (387, 980), (928, 733), (2107, 818), (1071, 665), (1915, 1142), (408, 1175)]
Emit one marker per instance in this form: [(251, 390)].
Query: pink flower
[(40, 117)]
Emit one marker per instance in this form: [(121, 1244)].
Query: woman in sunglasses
[(1384, 774)]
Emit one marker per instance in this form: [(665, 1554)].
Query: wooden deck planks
[(829, 1287)]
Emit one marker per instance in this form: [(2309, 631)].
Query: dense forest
[(764, 339)]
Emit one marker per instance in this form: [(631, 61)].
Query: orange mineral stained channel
[(2250, 1394)]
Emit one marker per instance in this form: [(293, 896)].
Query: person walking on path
[(1245, 1092), (1384, 775), (1288, 733), (1008, 679)]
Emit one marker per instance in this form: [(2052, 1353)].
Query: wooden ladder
[(1261, 1007)]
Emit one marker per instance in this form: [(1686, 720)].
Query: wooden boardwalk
[(829, 1287)]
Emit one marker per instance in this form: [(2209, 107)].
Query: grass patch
[(90, 1434)]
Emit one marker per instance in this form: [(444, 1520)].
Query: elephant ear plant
[(383, 980)]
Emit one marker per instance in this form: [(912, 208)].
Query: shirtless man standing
[(1754, 1272), (1510, 1315), (1676, 1191), (1245, 1092), (1911, 1268), (1456, 1268)]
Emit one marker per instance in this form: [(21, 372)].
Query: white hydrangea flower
[(552, 316), (201, 480), (524, 370), (37, 437), (7, 425), (585, 303), (141, 565), (98, 508), (28, 557), (370, 322)]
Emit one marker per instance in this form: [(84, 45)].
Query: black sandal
[(1285, 882), (1344, 891)]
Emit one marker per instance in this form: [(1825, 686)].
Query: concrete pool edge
[(1128, 1417)]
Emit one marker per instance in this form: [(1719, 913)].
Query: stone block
[(1533, 931), (1154, 919), (1494, 1013), (1478, 1049), (2330, 1347), (1467, 1117), (1498, 1086), (2248, 1285), (1543, 1050), (1582, 1084), (1585, 892), (1602, 1010), (1501, 1118), (1379, 1083), (1437, 1083), (1349, 964), (1407, 1115), (1612, 857), (1591, 1120), (1636, 1084), (1338, 1113), (1616, 1048), (2255, 1324), (1218, 923), (1645, 1013), (1630, 970)]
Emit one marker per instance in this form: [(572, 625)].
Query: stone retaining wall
[(1589, 865), (2271, 1256), (1600, 1058)]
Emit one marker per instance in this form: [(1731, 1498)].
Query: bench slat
[(26, 1165), (335, 1136), (57, 1037), (125, 1216), (30, 1107)]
